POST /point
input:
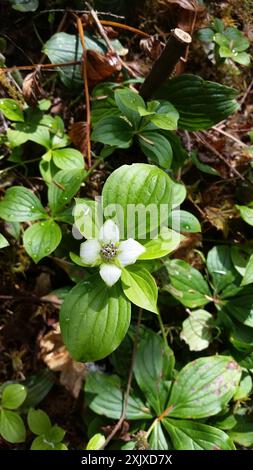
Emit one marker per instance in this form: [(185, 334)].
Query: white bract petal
[(129, 251), (110, 273), (90, 252), (109, 232)]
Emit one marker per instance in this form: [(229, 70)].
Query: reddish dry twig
[(124, 26), (218, 154), (35, 66), (108, 42), (86, 90)]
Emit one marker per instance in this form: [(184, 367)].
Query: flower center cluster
[(108, 252)]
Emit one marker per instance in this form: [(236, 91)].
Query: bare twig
[(230, 136), (246, 93), (64, 10), (35, 66), (218, 154), (129, 383), (108, 42), (166, 62), (86, 90)]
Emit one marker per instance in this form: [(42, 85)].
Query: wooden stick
[(86, 90), (166, 62)]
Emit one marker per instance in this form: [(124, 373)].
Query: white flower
[(111, 254)]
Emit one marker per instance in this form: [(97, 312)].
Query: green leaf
[(20, 205), (13, 396), (55, 434), (240, 257), (197, 330), (203, 166), (94, 319), (225, 277), (166, 121), (205, 34), (187, 435), (11, 110), (187, 284), (201, 104), (240, 306), (242, 433), (88, 216), (156, 147), (62, 189), (96, 442), (140, 195), (68, 159), (243, 58), (12, 428), (63, 47), (105, 106), (244, 388), (129, 103), (110, 399), (241, 337), (248, 275), (246, 214), (166, 242), (157, 440), (42, 239), (3, 242), (38, 386), (113, 131), (184, 221), (38, 422), (140, 287), (178, 193), (24, 5), (153, 368), (41, 443), (13, 229), (203, 387)]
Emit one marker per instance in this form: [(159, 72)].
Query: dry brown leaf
[(57, 358), (152, 47), (77, 134), (187, 14), (101, 66), (191, 5), (32, 90)]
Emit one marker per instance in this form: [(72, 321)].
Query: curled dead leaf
[(77, 134), (57, 358), (101, 66), (31, 89)]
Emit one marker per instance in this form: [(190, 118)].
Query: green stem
[(162, 329), (150, 429), (94, 166), (20, 164)]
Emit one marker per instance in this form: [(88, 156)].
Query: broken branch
[(166, 62)]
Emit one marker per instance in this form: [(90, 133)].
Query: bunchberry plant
[(49, 436), (22, 205), (33, 124), (12, 427), (226, 43)]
